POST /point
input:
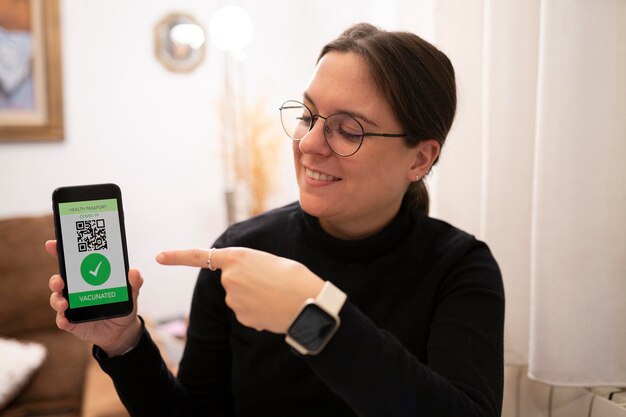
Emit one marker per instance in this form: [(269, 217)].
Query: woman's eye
[(354, 137)]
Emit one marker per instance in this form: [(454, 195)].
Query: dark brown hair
[(416, 78)]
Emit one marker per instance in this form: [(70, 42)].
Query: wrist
[(310, 290), (127, 341), (317, 321)]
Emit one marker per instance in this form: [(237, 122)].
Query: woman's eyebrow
[(349, 112)]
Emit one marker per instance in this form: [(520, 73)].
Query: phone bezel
[(86, 193)]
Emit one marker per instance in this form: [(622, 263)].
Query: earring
[(417, 177)]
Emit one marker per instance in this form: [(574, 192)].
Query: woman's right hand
[(114, 336)]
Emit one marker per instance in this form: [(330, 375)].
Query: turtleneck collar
[(370, 247)]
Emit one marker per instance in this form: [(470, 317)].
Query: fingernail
[(160, 258)]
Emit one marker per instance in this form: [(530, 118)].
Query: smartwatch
[(317, 321)]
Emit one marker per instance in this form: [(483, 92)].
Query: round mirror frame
[(175, 56)]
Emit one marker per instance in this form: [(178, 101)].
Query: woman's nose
[(314, 141)]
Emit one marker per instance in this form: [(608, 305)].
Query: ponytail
[(417, 193)]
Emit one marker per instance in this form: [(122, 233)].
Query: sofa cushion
[(25, 269), (19, 360), (62, 375), (57, 387)]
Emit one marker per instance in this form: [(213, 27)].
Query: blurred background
[(177, 103)]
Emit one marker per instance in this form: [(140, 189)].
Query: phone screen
[(93, 252)]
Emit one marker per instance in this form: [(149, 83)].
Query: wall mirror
[(180, 42)]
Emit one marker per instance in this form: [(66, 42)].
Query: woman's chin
[(314, 206)]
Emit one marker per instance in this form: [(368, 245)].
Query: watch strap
[(331, 298)]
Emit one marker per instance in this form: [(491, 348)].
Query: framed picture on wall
[(31, 103)]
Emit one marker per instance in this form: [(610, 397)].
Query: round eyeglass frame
[(326, 128)]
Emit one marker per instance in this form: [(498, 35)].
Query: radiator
[(526, 398)]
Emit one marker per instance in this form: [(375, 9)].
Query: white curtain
[(536, 166), (578, 304)]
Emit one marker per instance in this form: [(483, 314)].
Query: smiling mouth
[(319, 176)]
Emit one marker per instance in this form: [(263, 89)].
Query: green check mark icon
[(95, 273), (95, 269)]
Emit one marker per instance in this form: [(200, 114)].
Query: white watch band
[(331, 298)]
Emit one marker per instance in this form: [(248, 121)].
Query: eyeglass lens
[(343, 133)]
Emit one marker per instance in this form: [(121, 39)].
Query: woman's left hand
[(265, 291)]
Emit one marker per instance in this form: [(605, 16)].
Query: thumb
[(136, 281)]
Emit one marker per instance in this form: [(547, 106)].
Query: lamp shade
[(231, 28)]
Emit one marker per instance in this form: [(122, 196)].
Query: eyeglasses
[(343, 133)]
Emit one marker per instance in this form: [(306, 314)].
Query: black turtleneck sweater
[(421, 332)]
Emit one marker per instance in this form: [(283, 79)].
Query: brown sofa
[(69, 383), (25, 268)]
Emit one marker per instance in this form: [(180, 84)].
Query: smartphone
[(91, 246)]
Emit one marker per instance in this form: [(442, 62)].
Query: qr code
[(91, 235)]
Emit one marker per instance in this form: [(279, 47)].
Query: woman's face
[(358, 195)]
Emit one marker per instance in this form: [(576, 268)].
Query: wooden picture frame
[(31, 102)]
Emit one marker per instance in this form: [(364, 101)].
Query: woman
[(407, 311)]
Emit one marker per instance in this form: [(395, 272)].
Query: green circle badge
[(95, 269)]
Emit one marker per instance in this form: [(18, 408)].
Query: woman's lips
[(319, 176)]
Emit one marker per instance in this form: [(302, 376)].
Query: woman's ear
[(424, 156)]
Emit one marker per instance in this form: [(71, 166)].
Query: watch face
[(312, 327)]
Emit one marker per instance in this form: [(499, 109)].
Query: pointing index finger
[(193, 257)]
